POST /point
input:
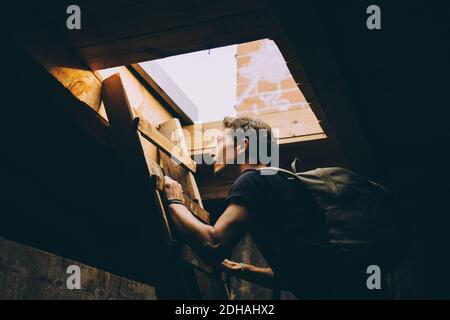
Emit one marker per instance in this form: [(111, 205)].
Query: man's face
[(225, 152)]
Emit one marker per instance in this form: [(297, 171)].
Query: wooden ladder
[(184, 274)]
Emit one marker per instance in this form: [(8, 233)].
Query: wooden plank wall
[(28, 273)]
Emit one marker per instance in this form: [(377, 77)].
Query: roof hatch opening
[(249, 79)]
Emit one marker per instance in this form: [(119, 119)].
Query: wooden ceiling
[(117, 33)]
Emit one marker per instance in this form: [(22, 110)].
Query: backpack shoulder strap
[(276, 170), (327, 180)]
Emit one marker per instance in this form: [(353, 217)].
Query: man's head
[(244, 140)]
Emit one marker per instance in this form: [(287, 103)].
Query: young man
[(271, 208)]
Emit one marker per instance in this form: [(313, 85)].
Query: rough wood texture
[(173, 131), (208, 279), (133, 165), (157, 178), (58, 58), (28, 273), (163, 97), (150, 16), (165, 145), (141, 99), (227, 30), (196, 209), (176, 278)]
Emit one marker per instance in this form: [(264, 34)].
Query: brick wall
[(265, 89)]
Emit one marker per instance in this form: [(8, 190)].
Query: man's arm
[(259, 275), (211, 242)]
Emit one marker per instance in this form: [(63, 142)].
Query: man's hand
[(258, 275), (232, 267), (173, 189)]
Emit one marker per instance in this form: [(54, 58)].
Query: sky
[(208, 78)]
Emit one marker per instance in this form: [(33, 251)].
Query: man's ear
[(243, 146)]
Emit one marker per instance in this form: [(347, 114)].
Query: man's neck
[(247, 166)]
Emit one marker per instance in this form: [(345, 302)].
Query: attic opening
[(249, 79)]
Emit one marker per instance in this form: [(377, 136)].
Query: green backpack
[(359, 213)]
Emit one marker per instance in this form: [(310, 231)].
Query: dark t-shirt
[(283, 222)]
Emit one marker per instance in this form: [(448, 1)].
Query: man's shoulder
[(250, 173), (249, 189), (248, 181), (255, 174), (254, 179), (249, 176)]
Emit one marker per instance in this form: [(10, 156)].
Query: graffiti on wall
[(266, 89)]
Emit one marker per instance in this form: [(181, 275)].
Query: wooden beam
[(209, 34), (35, 72), (100, 24), (127, 144), (57, 58), (149, 183), (149, 132), (157, 178), (159, 94), (172, 130), (195, 208), (128, 149), (32, 274)]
